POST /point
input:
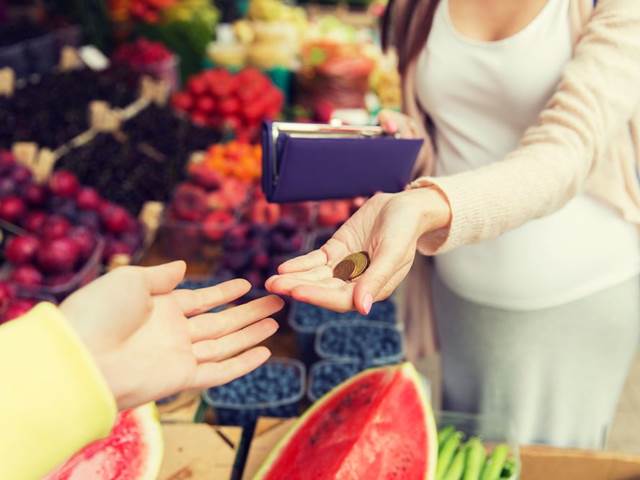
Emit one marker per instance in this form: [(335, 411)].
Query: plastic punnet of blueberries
[(373, 343), (327, 374), (307, 317), (274, 390)]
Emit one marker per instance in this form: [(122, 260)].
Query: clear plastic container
[(15, 57), (42, 53), (491, 430), (374, 343), (89, 271), (245, 413)]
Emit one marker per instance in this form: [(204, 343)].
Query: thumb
[(164, 278), (369, 287)]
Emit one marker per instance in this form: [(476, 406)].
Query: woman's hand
[(151, 341), (398, 124), (388, 227)]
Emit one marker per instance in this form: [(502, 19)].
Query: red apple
[(55, 226), (182, 101), (12, 208), (35, 194), (115, 218), (27, 275), (64, 184), (34, 221), (85, 240), (88, 199), (22, 249), (59, 255), (7, 294)]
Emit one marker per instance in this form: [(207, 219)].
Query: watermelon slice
[(377, 425), (133, 450)]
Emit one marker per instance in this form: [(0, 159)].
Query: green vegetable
[(493, 467), (446, 454), (475, 459), (456, 469), (510, 468), (443, 435)]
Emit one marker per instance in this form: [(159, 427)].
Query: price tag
[(102, 118), (69, 59), (25, 154), (93, 58), (150, 216), (44, 165)]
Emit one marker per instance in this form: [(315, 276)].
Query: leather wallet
[(302, 162)]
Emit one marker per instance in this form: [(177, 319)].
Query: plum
[(64, 184), (12, 208), (115, 218), (34, 221), (59, 255), (35, 194), (85, 239), (22, 249), (55, 226), (27, 275), (88, 199)]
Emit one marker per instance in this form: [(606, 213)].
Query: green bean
[(456, 469), (446, 454), (475, 459), (493, 467)]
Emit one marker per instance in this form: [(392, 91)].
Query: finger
[(286, 283), (387, 121), (215, 325), (201, 300), (213, 374), (234, 343), (311, 260), (336, 299), (164, 278), (384, 265)]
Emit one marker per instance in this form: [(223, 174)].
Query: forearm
[(53, 399)]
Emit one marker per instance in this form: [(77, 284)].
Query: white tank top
[(482, 96)]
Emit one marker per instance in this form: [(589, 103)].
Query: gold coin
[(344, 270), (352, 266)]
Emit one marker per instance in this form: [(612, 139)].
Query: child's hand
[(151, 341)]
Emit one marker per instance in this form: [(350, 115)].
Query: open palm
[(151, 341), (386, 228)]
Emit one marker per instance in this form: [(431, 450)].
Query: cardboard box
[(538, 462), (198, 451)]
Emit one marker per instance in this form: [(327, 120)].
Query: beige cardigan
[(586, 139)]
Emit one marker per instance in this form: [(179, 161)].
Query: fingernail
[(391, 125), (367, 303)]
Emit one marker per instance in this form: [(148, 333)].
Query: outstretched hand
[(150, 340), (387, 227)]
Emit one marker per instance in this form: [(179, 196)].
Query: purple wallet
[(302, 162)]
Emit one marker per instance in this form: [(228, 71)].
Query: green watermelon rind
[(407, 370)]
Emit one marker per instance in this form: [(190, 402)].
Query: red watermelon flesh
[(133, 450), (378, 425)]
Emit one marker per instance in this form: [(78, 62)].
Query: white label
[(93, 58)]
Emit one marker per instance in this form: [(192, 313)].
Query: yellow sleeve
[(53, 398)]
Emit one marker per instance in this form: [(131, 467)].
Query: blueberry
[(327, 374)]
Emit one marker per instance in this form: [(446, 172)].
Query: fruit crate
[(273, 390), (490, 429), (373, 343), (305, 320)]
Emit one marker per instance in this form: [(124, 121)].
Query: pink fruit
[(85, 240), (189, 202), (7, 294), (88, 199), (20, 174), (17, 308), (216, 224), (35, 195), (21, 250), (27, 275), (12, 209), (115, 218), (63, 183), (55, 226), (59, 255), (34, 221)]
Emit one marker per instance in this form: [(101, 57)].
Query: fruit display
[(471, 459), (144, 164), (54, 109), (385, 83), (235, 159), (68, 229), (372, 343), (259, 210), (133, 450), (233, 102), (254, 251), (379, 421), (149, 11), (274, 390)]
